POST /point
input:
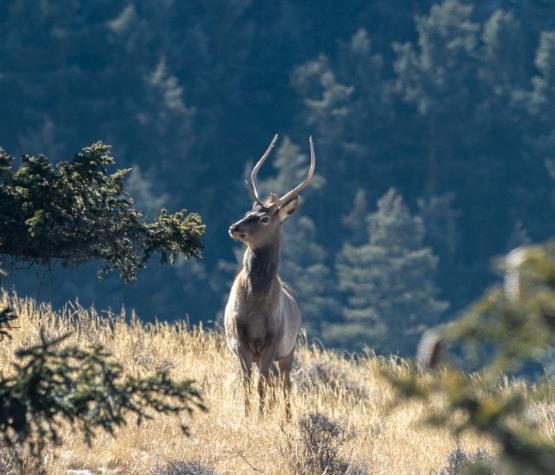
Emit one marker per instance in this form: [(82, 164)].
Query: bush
[(52, 384), (76, 211), (330, 376), (178, 467), (461, 462), (320, 440), (7, 316)]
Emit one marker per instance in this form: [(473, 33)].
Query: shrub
[(178, 467), (84, 387), (319, 442), (461, 462), (329, 376), (7, 316)]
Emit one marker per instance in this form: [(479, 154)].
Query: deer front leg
[(267, 379), (285, 365), (246, 376)]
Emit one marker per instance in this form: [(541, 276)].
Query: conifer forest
[(433, 124)]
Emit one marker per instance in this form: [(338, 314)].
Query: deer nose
[(234, 229)]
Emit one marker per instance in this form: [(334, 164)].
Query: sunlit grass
[(385, 442)]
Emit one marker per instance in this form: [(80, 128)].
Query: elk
[(262, 318)]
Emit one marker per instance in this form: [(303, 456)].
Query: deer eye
[(265, 220)]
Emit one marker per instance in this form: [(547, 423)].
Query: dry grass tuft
[(224, 440)]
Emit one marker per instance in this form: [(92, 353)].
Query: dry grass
[(224, 439)]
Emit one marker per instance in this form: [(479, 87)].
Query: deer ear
[(288, 208)]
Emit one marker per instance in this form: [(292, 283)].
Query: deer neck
[(261, 265)]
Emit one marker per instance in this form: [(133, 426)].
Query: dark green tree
[(77, 211), (466, 80), (388, 282), (355, 221), (347, 107)]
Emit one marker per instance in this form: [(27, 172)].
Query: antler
[(251, 185), (295, 191)]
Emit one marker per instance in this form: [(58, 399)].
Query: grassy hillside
[(350, 393)]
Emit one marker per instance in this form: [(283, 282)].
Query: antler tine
[(251, 191), (295, 191), (252, 183)]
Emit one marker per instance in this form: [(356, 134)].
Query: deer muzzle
[(236, 232)]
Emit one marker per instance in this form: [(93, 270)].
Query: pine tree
[(388, 282), (77, 211), (355, 220), (347, 106), (503, 58)]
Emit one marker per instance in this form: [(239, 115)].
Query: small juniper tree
[(388, 282), (52, 384)]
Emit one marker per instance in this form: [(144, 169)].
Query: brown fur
[(262, 318)]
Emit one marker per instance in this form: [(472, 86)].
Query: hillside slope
[(349, 392)]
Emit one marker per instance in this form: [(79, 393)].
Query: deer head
[(260, 226)]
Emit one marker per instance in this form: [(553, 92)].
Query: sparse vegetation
[(329, 376), (461, 462), (178, 467), (317, 448), (223, 439)]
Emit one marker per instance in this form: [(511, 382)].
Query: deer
[(262, 318)]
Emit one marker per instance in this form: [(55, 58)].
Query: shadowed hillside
[(340, 408), (448, 102)]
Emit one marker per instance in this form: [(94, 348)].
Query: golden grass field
[(224, 438)]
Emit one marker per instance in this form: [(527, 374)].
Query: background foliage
[(449, 102), (506, 329)]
